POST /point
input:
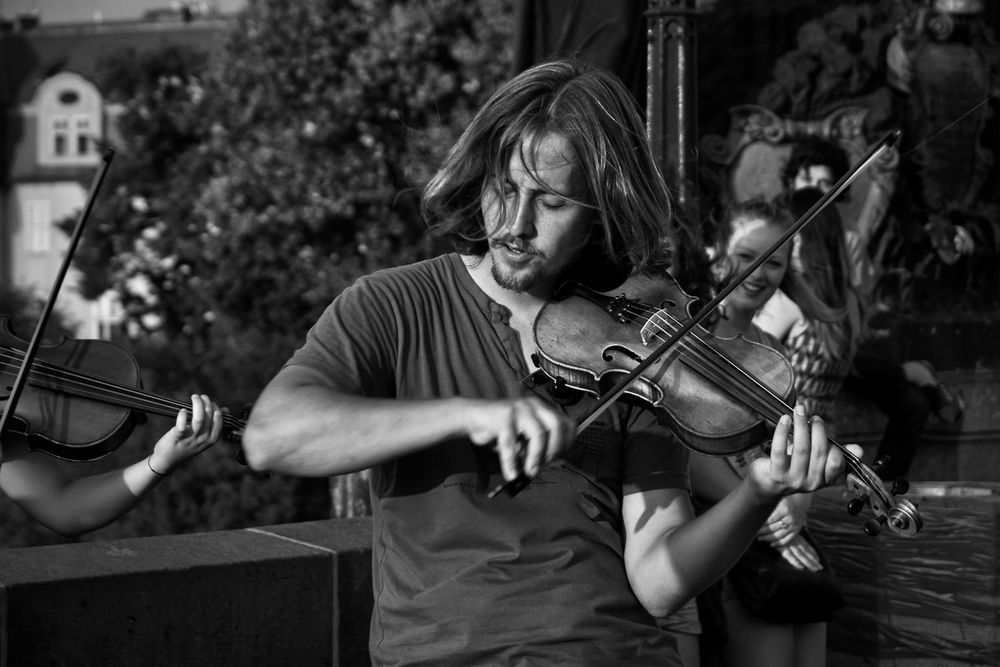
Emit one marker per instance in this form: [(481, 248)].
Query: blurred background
[(269, 152)]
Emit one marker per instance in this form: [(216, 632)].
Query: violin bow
[(874, 153), (36, 339)]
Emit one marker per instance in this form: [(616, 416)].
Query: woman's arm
[(68, 506)]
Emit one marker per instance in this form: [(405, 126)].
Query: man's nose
[(522, 220)]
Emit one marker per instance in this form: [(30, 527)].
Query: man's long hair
[(597, 116)]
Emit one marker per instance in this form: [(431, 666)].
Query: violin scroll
[(889, 509)]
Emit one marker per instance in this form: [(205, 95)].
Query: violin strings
[(714, 360), (713, 367), (43, 371), (713, 356), (85, 386), (717, 361), (88, 386)]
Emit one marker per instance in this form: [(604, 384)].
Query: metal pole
[(671, 97)]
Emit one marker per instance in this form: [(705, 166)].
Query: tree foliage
[(317, 138), (252, 186)]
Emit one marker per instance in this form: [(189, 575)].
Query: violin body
[(592, 340), (63, 424)]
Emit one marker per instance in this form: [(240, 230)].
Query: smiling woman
[(746, 230)]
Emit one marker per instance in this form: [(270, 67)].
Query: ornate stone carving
[(747, 162), (947, 64)]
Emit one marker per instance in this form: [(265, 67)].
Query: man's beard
[(515, 281), (516, 278)]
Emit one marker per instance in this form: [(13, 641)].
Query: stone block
[(261, 596)]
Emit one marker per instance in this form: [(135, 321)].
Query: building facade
[(55, 126)]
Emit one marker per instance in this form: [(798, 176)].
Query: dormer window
[(84, 145), (60, 135), (69, 121)]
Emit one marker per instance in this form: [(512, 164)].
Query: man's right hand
[(526, 433)]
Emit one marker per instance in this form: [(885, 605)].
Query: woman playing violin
[(423, 373), (71, 506)]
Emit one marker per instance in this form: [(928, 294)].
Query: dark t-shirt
[(460, 578)]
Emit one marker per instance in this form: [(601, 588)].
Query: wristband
[(154, 471)]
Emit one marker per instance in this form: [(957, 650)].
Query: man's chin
[(515, 280)]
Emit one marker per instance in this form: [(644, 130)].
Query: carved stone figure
[(946, 68)]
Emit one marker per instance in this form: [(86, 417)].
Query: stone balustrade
[(300, 594), (293, 594)]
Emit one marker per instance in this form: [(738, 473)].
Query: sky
[(76, 11)]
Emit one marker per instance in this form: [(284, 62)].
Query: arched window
[(69, 121)]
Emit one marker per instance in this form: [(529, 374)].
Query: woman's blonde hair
[(818, 276)]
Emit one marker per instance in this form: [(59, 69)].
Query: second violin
[(82, 396)]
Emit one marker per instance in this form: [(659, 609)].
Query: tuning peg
[(873, 526), (881, 463), (900, 485), (856, 505)]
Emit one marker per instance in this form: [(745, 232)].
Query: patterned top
[(819, 371)]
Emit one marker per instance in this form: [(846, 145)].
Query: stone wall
[(300, 594), (294, 594)]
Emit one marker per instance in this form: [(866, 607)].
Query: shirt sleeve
[(654, 458), (353, 343)]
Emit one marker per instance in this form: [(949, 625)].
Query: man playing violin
[(422, 372), (72, 505)]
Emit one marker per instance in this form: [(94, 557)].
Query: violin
[(590, 340), (720, 396), (82, 398)]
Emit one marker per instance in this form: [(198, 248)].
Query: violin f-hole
[(608, 354)]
